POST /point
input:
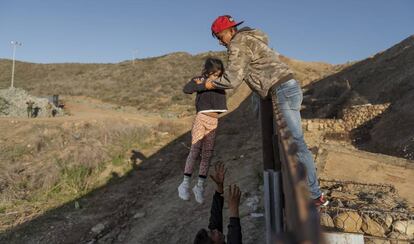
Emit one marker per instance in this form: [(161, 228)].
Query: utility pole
[(133, 56), (14, 44)]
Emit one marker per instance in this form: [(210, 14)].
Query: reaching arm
[(239, 58), (196, 84), (216, 214), (234, 235)]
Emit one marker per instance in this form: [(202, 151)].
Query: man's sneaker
[(184, 191), (198, 194), (320, 201)]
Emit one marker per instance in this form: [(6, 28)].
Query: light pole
[(133, 56), (14, 44)]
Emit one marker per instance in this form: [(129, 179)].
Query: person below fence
[(215, 233), (209, 104), (250, 59)]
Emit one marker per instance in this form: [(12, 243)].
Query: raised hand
[(209, 85), (198, 80), (219, 175), (234, 200)]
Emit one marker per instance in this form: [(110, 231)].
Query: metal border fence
[(291, 217)]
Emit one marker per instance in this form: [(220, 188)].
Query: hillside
[(385, 78), (64, 158), (308, 72), (141, 206), (152, 84), (108, 173)]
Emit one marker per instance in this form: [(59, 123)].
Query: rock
[(343, 195), (139, 215), (338, 127), (312, 126), (371, 227), (98, 228), (76, 136), (337, 203), (348, 221), (351, 204), (253, 203), (385, 221), (400, 238), (77, 205), (388, 221), (326, 220), (13, 103), (256, 215), (320, 151), (404, 227), (373, 240)]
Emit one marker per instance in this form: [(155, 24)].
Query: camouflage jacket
[(252, 60)]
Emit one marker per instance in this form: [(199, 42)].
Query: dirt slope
[(143, 207), (149, 194), (387, 77), (45, 162)]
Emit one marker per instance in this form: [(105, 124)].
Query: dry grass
[(307, 72), (43, 166), (56, 164), (153, 83)]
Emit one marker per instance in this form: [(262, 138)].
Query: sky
[(110, 31)]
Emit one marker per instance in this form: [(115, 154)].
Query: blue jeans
[(289, 99)]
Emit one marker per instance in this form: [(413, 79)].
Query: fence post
[(269, 137), (273, 205), (301, 219)]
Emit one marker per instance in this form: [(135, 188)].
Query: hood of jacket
[(257, 34)]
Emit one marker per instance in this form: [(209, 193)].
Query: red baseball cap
[(223, 22)]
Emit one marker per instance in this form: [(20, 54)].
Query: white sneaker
[(198, 194), (184, 191)]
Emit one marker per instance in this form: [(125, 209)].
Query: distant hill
[(151, 84), (308, 72)]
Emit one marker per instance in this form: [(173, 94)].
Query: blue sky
[(107, 31)]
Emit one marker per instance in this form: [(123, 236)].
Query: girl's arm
[(196, 84)]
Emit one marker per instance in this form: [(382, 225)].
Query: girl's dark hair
[(202, 237), (213, 65)]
